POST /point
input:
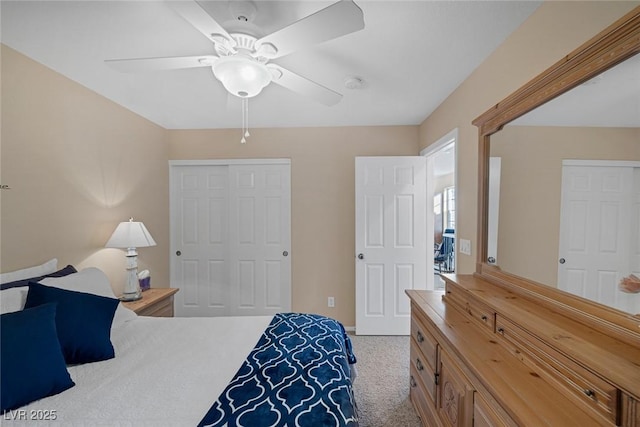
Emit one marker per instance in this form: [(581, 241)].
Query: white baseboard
[(350, 328)]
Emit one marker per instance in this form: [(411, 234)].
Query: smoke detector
[(242, 10), (354, 82)]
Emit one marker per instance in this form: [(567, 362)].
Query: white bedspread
[(167, 372)]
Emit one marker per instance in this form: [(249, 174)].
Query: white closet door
[(260, 260), (391, 252), (231, 238), (200, 242)]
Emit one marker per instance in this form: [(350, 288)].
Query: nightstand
[(155, 302)]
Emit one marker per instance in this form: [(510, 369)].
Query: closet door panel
[(260, 237), (231, 238)]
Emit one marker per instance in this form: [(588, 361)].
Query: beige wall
[(530, 184), (552, 31), (77, 165), (322, 197)]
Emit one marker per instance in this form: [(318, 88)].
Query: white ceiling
[(412, 55)]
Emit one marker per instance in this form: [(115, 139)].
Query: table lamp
[(130, 235)]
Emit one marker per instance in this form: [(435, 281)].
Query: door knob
[(178, 253), (285, 253), (491, 260), (561, 261), (360, 256)]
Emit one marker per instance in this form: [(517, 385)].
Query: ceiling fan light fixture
[(241, 75)]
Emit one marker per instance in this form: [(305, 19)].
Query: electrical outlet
[(331, 302), (465, 246)]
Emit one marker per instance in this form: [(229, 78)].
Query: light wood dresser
[(155, 302), (482, 355)]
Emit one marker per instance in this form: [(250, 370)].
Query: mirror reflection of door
[(599, 230), (495, 164)]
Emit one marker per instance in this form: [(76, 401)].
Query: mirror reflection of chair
[(443, 256)]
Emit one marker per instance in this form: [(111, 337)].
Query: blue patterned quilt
[(297, 375)]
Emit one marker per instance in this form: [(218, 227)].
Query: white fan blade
[(337, 20), (161, 64), (194, 14), (304, 86)]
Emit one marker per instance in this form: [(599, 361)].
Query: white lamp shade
[(130, 234), (242, 76)]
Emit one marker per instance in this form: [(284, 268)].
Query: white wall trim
[(602, 163), (221, 162), (447, 139), (450, 138)]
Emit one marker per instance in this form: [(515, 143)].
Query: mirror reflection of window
[(450, 208), (437, 204)]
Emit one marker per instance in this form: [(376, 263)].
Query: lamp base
[(128, 298)]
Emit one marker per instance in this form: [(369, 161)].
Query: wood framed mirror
[(614, 45)]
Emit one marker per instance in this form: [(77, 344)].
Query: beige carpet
[(382, 386)]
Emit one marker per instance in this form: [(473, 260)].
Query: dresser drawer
[(582, 383), (423, 370), (425, 341), (425, 407), (470, 305)]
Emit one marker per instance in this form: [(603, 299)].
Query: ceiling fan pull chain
[(246, 115), (244, 121)]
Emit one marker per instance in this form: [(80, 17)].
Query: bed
[(289, 369)]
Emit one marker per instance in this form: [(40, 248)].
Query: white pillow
[(13, 299), (27, 273), (91, 280)]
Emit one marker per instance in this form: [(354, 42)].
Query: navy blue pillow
[(69, 269), (32, 365), (83, 321)]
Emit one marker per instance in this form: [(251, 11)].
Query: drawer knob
[(412, 382), (419, 365), (419, 336), (590, 392), (501, 330), (484, 318)]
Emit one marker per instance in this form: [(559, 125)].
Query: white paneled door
[(231, 238), (391, 250), (599, 230), (260, 243)]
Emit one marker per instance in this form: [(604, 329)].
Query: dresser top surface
[(604, 355)]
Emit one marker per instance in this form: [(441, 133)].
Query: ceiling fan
[(242, 60)]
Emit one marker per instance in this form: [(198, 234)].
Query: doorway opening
[(441, 199)]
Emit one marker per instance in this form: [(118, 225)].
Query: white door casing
[(224, 219), (596, 231), (390, 248)]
